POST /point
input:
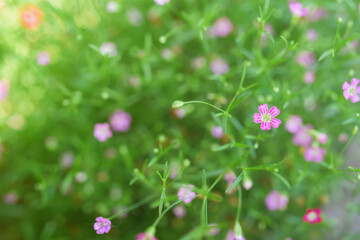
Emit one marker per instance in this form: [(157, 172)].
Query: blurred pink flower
[(174, 168), (214, 229), (145, 236), (297, 9), (112, 7), (10, 197), (161, 2), (80, 177), (179, 211), (231, 236), (322, 138), (43, 58), (312, 216), (198, 62), (186, 193), (311, 35), (102, 132), (134, 17), (314, 154), (247, 183), (217, 132), (222, 27), (294, 124), (276, 201), (179, 113), (4, 89), (305, 58), (303, 136), (219, 66), (102, 225), (230, 177), (120, 121), (309, 77), (318, 13), (108, 48), (134, 81), (267, 118), (343, 137), (351, 90), (31, 17), (67, 160), (166, 53)]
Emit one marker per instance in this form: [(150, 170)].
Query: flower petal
[(257, 118), (346, 94), (263, 109), (354, 98), (97, 226), (345, 86), (265, 126), (354, 82), (275, 123), (358, 90), (274, 111)]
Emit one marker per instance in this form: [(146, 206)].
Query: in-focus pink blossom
[(312, 216), (276, 201), (314, 154), (219, 66), (179, 211), (305, 58), (351, 90), (309, 77), (217, 132), (102, 225), (10, 198), (222, 27), (303, 137), (145, 236), (298, 10), (120, 121), (231, 236), (322, 138), (186, 193), (311, 35), (102, 132), (267, 118), (4, 89), (109, 48), (161, 2), (43, 58)]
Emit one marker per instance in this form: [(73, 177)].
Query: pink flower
[(108, 48), (43, 58), (231, 236), (314, 154), (247, 183), (266, 118), (294, 124), (217, 132), (102, 225), (67, 160), (179, 113), (102, 132), (145, 236), (322, 138), (4, 89), (303, 137), (276, 201), (218, 66), (120, 121), (186, 193), (214, 229), (175, 168), (305, 58), (343, 137), (351, 90), (230, 177), (311, 35), (312, 216), (10, 197), (317, 14), (135, 17), (309, 77), (179, 211), (222, 27), (198, 62), (161, 2), (297, 9)]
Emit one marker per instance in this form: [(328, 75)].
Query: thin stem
[(347, 144), (201, 102), (238, 212)]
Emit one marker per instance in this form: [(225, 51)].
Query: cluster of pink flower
[(351, 90), (120, 122), (304, 136)]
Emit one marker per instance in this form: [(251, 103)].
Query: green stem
[(238, 211), (201, 102)]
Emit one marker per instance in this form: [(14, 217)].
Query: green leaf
[(236, 182), (287, 184), (270, 36), (241, 97), (325, 54)]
